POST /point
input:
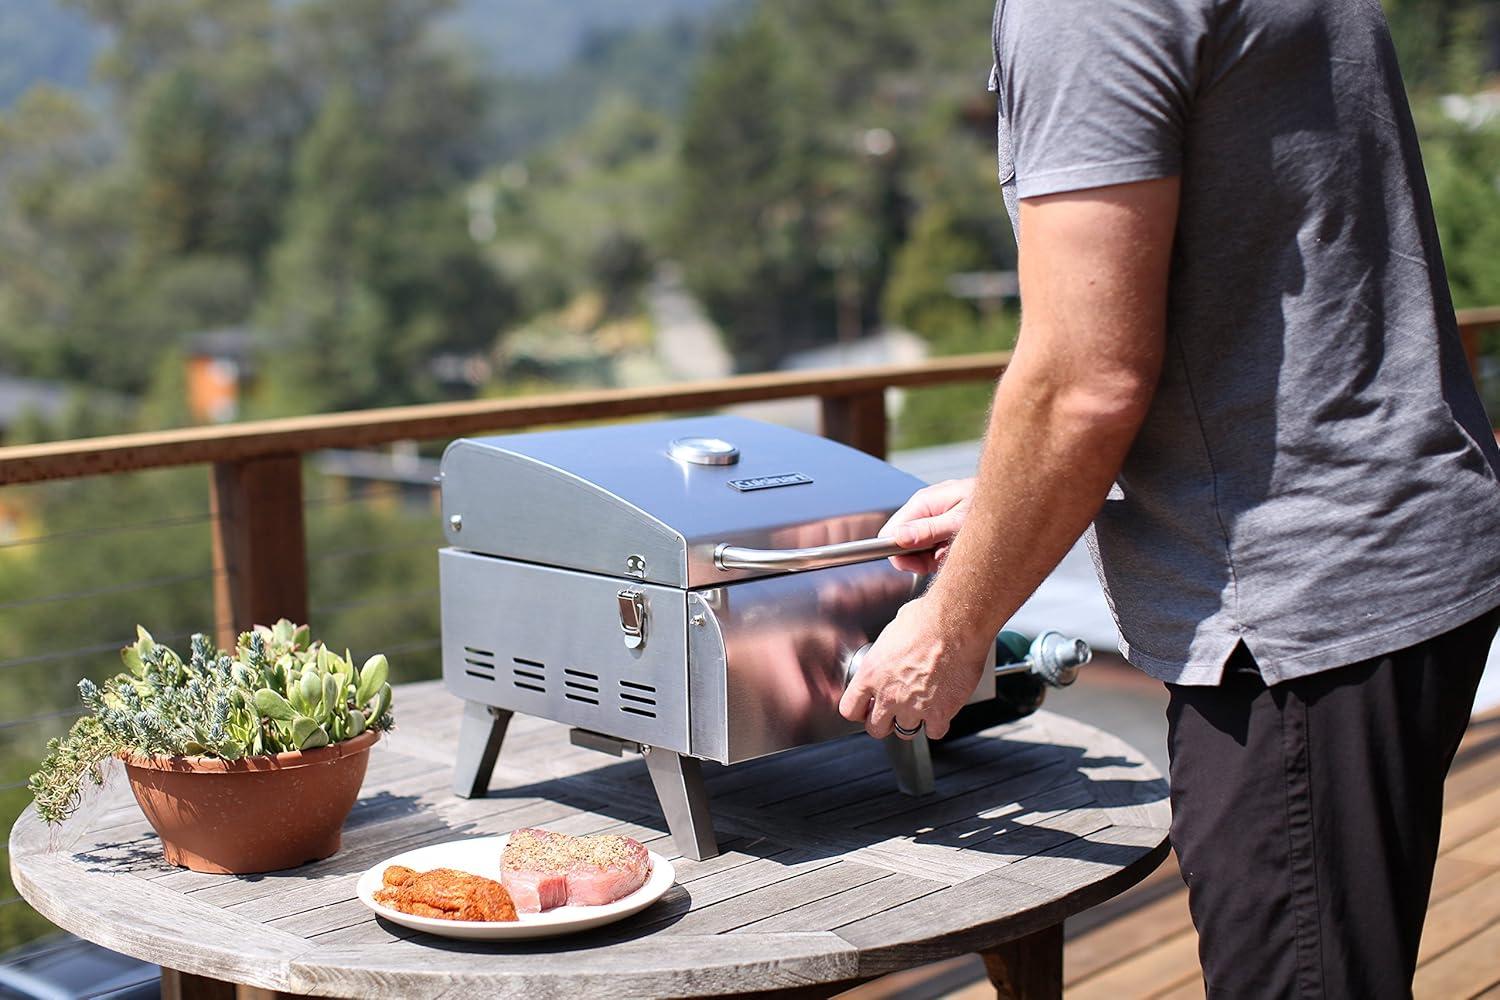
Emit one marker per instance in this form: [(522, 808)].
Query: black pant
[(1305, 815)]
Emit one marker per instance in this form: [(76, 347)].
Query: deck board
[(1151, 949)]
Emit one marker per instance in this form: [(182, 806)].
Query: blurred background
[(217, 211)]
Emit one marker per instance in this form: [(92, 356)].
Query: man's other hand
[(914, 676)]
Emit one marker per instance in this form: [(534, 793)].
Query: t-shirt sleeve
[(1095, 93)]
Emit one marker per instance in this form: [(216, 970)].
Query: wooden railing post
[(857, 420), (1471, 323), (260, 547), (1470, 337)]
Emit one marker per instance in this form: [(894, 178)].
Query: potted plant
[(243, 761)]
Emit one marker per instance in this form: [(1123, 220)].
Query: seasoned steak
[(542, 869)]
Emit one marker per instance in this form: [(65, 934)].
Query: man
[(1238, 358)]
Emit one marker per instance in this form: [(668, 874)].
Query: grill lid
[(651, 501)]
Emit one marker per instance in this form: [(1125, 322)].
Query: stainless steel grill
[(690, 589)]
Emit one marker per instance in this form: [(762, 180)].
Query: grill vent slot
[(529, 675), (638, 699), (479, 663), (581, 686)]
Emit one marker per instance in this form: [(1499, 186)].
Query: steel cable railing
[(402, 600), (62, 713), (410, 647), (84, 534), (375, 550), (103, 647), (114, 589)]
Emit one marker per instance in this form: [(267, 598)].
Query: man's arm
[(1093, 270)]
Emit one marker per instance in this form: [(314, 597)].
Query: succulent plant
[(277, 691)]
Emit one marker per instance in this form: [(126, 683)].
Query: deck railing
[(256, 515), (260, 564)]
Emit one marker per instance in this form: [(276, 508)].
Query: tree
[(745, 215), (817, 132), (377, 272), (1444, 45), (63, 229)]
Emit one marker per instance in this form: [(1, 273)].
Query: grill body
[(581, 584)]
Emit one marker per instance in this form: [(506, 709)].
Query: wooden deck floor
[(1142, 943)]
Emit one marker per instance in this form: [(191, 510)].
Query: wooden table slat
[(138, 918), (846, 907), (964, 917), (641, 968), (820, 883)]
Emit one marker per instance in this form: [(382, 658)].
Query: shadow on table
[(141, 853), (137, 855), (1013, 798), (1010, 796)]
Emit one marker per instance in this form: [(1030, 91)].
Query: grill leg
[(912, 761), (479, 742), (684, 801)]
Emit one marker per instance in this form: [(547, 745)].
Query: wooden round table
[(828, 876)]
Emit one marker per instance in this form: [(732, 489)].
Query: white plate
[(481, 856)]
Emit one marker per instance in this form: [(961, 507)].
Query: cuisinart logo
[(769, 482)]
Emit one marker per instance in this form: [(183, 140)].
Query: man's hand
[(913, 675), (928, 522)]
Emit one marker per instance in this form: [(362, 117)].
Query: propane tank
[(1024, 670)]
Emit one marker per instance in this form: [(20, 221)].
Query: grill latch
[(632, 617)]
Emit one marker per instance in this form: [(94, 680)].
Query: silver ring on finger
[(904, 731)]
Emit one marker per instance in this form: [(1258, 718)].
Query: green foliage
[(71, 762), (276, 692), (371, 573), (357, 304), (816, 134), (945, 240), (276, 161), (1463, 170), (954, 413), (654, 67), (583, 214), (747, 211), (1441, 43)]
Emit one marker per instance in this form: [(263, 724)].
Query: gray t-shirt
[(1316, 477)]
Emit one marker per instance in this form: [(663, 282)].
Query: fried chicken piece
[(387, 898), (396, 875), (447, 894)]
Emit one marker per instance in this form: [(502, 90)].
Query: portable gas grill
[(691, 590)]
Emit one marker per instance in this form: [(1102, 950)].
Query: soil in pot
[(257, 814)]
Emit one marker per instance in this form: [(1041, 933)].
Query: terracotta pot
[(256, 814)]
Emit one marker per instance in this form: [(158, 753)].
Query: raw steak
[(542, 869)]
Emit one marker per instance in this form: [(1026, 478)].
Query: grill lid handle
[(728, 557)]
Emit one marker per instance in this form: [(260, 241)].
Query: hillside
[(531, 37), (48, 40), (43, 41)]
